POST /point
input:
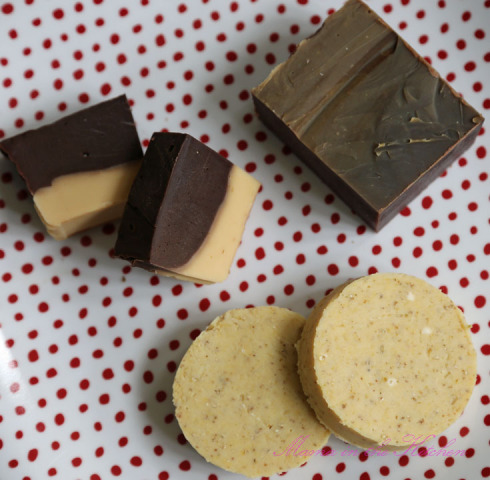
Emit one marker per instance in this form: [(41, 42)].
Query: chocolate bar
[(186, 210), (80, 168), (366, 113)]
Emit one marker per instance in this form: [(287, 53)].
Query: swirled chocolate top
[(365, 105)]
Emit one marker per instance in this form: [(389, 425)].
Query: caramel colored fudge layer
[(79, 201), (386, 358), (80, 168), (238, 397), (366, 113), (186, 211)]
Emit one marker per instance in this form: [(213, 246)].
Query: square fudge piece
[(186, 211), (366, 113), (80, 168)]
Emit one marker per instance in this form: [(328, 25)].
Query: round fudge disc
[(386, 358), (238, 396)]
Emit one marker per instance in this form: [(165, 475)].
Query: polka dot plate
[(89, 346)]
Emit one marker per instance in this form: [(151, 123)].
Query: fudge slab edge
[(79, 169), (366, 113), (186, 210)]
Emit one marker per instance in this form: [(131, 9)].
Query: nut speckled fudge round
[(386, 358), (238, 396)]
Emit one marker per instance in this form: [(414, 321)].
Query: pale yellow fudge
[(238, 397), (212, 261), (386, 358), (79, 201)]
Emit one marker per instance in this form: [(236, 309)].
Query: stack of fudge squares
[(183, 205)]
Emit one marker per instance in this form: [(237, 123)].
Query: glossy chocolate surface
[(366, 113), (173, 202), (95, 138)]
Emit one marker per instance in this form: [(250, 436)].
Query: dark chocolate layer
[(366, 113), (173, 202), (95, 138)]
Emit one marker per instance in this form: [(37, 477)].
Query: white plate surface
[(89, 346)]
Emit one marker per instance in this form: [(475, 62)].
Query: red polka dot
[(481, 152), (58, 14), (353, 261), (43, 307), (432, 272), (406, 212), (116, 470), (59, 419), (267, 205), (32, 454), (333, 269), (427, 202), (136, 461), (204, 304), (7, 8), (385, 471), (340, 467), (278, 269), (461, 44), (403, 461), (182, 314), (224, 296), (480, 301)]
